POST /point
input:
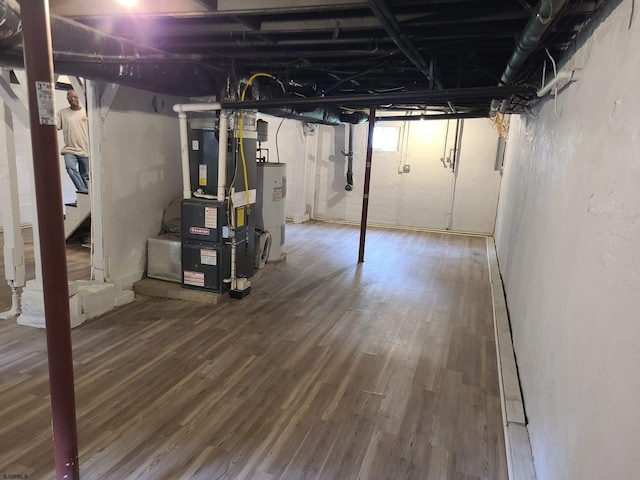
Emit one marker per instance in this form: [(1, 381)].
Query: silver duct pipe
[(184, 155), (543, 17), (321, 115), (223, 130)]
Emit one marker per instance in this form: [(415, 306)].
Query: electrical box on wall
[(500, 151)]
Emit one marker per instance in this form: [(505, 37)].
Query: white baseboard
[(516, 436)]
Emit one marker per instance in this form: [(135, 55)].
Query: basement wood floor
[(328, 370)]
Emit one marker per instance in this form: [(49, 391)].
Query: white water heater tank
[(272, 193)]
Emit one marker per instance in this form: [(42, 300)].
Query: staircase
[(76, 213)]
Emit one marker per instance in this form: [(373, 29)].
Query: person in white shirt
[(75, 130)]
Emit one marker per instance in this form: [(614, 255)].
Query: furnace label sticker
[(208, 257), (210, 217), (199, 231), (277, 193), (194, 278), (46, 103), (240, 198), (202, 175), (240, 222)]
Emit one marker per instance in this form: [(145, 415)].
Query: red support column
[(38, 61), (367, 182)]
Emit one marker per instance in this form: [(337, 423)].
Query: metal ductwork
[(542, 18), (83, 51), (279, 107), (324, 116), (10, 24)]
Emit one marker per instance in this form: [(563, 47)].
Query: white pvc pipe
[(455, 165), (184, 151), (196, 107), (222, 154), (234, 280), (563, 75), (181, 109)]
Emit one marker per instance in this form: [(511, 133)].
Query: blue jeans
[(78, 169)]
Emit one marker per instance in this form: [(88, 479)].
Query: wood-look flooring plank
[(329, 370)]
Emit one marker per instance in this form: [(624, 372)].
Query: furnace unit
[(218, 234)]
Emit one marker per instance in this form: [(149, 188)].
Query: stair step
[(76, 213)]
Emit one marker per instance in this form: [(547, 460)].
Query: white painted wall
[(423, 197), (478, 184), (331, 200), (568, 240), (141, 176)]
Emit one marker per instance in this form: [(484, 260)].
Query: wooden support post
[(36, 37), (97, 111)]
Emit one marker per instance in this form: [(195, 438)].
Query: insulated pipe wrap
[(184, 155), (10, 23), (536, 27), (83, 51)]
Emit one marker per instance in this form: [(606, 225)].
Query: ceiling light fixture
[(128, 3)]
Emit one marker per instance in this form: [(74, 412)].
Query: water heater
[(271, 193)]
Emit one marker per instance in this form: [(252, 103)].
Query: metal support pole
[(367, 182), (44, 141)]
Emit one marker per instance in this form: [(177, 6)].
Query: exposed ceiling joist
[(324, 48)]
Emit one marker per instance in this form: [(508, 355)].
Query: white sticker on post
[(46, 103), (208, 257), (194, 278), (211, 217)]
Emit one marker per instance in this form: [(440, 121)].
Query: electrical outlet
[(406, 168)]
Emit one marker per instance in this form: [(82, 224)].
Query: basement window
[(386, 139)]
